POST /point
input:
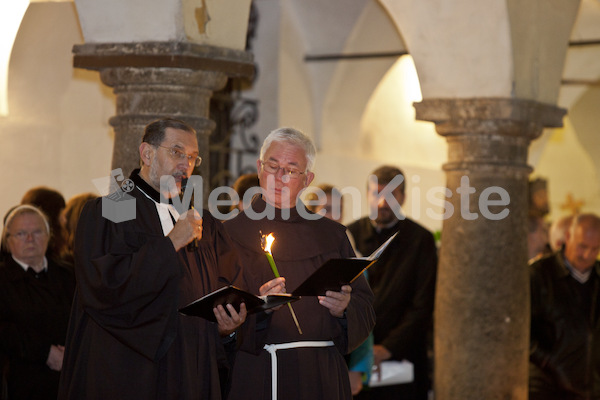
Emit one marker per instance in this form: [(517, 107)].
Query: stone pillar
[(158, 79), (481, 341)]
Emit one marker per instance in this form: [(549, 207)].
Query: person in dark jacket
[(565, 303), (403, 281), (35, 300)]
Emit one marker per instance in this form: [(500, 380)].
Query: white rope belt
[(272, 348)]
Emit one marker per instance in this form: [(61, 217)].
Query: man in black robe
[(403, 281), (293, 365), (126, 339)]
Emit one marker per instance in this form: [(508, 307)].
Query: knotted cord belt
[(272, 349)]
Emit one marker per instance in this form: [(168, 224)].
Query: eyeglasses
[(179, 155), (272, 168), (23, 235)]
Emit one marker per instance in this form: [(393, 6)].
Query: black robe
[(403, 280), (126, 339), (34, 313), (300, 247)]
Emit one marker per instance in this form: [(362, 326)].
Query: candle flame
[(269, 239)]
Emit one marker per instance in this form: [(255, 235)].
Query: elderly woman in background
[(35, 300)]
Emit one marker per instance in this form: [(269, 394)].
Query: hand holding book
[(203, 307), (228, 318), (337, 302)]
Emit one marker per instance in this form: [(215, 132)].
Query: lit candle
[(266, 243)]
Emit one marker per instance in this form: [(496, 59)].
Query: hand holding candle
[(266, 243)]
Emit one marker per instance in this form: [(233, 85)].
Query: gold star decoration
[(571, 204)]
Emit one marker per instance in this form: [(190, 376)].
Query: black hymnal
[(337, 272), (203, 307)]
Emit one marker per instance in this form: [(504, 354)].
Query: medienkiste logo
[(118, 206)]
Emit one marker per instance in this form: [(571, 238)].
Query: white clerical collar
[(166, 213), (26, 266), (581, 277)]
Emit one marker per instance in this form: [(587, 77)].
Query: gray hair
[(21, 210), (294, 137), (590, 220)]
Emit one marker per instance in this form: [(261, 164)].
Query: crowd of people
[(89, 307)]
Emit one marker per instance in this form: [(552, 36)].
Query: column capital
[(489, 135), (98, 56), (157, 79), (206, 79), (498, 116)]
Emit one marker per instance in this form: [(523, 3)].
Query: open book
[(203, 307), (337, 272)]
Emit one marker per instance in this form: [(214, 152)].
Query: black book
[(203, 307), (337, 272)]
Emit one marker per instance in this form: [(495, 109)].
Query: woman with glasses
[(35, 301)]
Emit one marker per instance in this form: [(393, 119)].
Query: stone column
[(481, 341), (158, 79)]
